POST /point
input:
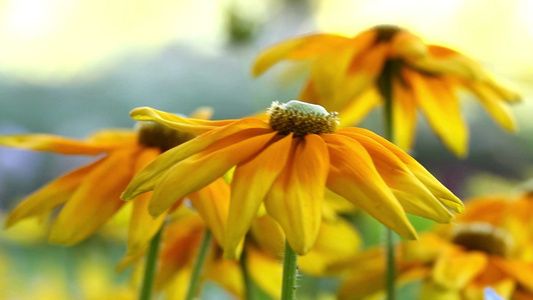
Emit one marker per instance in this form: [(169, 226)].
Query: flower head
[(289, 171), (90, 195), (351, 75)]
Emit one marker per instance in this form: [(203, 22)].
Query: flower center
[(483, 237), (385, 33), (153, 134), (301, 118)]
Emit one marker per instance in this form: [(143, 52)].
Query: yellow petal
[(51, 195), (146, 179), (456, 270), (337, 241), (227, 273), (265, 270), (202, 113), (95, 200), (189, 125), (521, 271), (268, 235), (142, 226), (403, 115), (441, 108), (357, 109), (306, 47), (251, 181), (212, 203), (414, 197), (353, 175), (497, 109), (433, 291), (433, 185), (296, 196), (57, 144), (199, 170)]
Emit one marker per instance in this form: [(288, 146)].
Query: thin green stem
[(248, 292), (199, 265), (150, 266), (290, 260), (386, 89)]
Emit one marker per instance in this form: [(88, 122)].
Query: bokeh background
[(70, 67)]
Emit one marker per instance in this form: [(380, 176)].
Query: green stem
[(150, 266), (290, 260), (248, 292), (386, 90), (199, 265)]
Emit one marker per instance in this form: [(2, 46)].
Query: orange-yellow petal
[(147, 178), (403, 115), (265, 270), (227, 273), (142, 226), (51, 195), (433, 291), (456, 270), (251, 182), (307, 47), (198, 170), (440, 105), (56, 144), (433, 185), (414, 197), (212, 203), (296, 196), (268, 235), (357, 109), (521, 271), (353, 175), (189, 125), (95, 200)]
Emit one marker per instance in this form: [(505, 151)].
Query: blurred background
[(73, 67)]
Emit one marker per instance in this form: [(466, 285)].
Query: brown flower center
[(483, 237), (153, 134), (301, 118), (385, 33)]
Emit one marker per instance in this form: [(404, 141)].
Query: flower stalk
[(199, 265), (385, 88), (290, 269), (150, 267)]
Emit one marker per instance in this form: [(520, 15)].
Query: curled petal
[(146, 179), (95, 200), (189, 125), (200, 169), (434, 186), (51, 195), (251, 182), (296, 196), (353, 175)]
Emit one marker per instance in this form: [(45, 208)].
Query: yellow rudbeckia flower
[(347, 75), (90, 195), (287, 163), (459, 261)]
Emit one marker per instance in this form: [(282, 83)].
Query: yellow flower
[(287, 163), (458, 261), (91, 194), (347, 76)]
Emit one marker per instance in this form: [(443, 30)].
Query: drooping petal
[(268, 235), (357, 109), (414, 197), (403, 115), (189, 125), (521, 271), (441, 108), (455, 271), (251, 182), (212, 203), (146, 179), (296, 196), (227, 273), (433, 185), (353, 175), (142, 226), (57, 144), (497, 109), (95, 200), (51, 195), (199, 170), (307, 47)]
